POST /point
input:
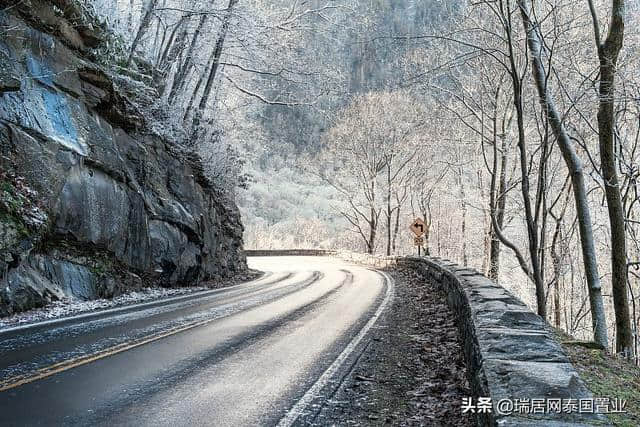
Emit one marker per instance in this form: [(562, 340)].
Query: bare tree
[(608, 52), (574, 164), (145, 24), (215, 60)]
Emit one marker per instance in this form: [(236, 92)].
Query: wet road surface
[(251, 354)]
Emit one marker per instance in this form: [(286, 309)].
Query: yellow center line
[(65, 365)]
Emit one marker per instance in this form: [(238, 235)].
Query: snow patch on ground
[(69, 306)]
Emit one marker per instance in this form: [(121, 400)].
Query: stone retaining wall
[(369, 260), (289, 252), (510, 351)]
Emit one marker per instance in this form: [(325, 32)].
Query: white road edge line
[(301, 405), (96, 313)]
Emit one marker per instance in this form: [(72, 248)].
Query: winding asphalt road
[(259, 353)]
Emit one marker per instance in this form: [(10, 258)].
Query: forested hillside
[(288, 205)]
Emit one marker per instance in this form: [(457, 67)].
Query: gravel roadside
[(412, 372)]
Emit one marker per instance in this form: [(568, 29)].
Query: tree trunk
[(574, 164), (389, 212), (217, 52), (166, 49), (130, 15), (608, 55), (373, 225), (463, 206), (156, 38), (196, 89), (396, 230), (180, 79), (498, 209), (142, 29), (556, 305), (427, 233), (556, 259), (532, 227)]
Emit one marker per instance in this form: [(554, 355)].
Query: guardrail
[(355, 257), (289, 252)]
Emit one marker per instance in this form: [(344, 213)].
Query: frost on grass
[(70, 306)]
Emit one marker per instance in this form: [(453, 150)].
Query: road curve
[(253, 354)]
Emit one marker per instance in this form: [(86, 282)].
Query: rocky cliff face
[(92, 202)]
